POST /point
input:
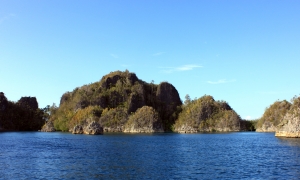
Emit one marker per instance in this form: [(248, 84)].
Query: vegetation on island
[(112, 100), (273, 116), (23, 115), (121, 102), (207, 115)]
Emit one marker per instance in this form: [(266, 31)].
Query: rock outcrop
[(273, 116), (30, 102), (267, 127), (48, 127), (168, 97), (207, 115), (92, 128), (290, 125), (78, 129), (144, 120)]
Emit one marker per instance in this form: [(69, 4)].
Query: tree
[(187, 99)]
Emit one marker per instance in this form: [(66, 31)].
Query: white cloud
[(114, 56), (221, 81), (248, 118), (187, 67), (158, 54)]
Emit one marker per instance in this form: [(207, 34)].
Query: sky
[(244, 52)]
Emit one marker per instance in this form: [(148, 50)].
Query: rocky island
[(121, 102)]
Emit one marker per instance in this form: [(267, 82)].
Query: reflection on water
[(148, 156), (290, 141)]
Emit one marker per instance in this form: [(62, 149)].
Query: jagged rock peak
[(113, 77), (28, 101)]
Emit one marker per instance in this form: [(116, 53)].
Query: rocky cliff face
[(273, 116), (118, 95), (290, 125), (48, 127), (169, 101), (30, 102), (267, 127)]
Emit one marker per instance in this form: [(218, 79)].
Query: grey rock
[(93, 128), (48, 127)]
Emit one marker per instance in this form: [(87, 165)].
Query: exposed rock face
[(267, 127), (273, 116), (65, 97), (169, 100), (3, 102), (78, 129), (48, 127), (290, 126), (187, 129), (145, 120), (93, 128), (28, 101), (136, 101)]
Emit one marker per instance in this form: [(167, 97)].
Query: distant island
[(121, 102)]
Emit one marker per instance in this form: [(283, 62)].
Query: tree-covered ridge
[(207, 115), (273, 116), (23, 115), (113, 99)]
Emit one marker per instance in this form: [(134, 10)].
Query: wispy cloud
[(187, 67), (158, 54), (4, 18), (221, 81), (114, 56)]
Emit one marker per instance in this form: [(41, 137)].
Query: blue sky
[(244, 52)]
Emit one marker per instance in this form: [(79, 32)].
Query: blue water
[(38, 155)]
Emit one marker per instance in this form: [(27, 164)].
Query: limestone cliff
[(48, 127), (273, 116), (290, 125)]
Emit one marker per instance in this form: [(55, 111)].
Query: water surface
[(35, 155)]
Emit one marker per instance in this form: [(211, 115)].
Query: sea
[(238, 155)]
